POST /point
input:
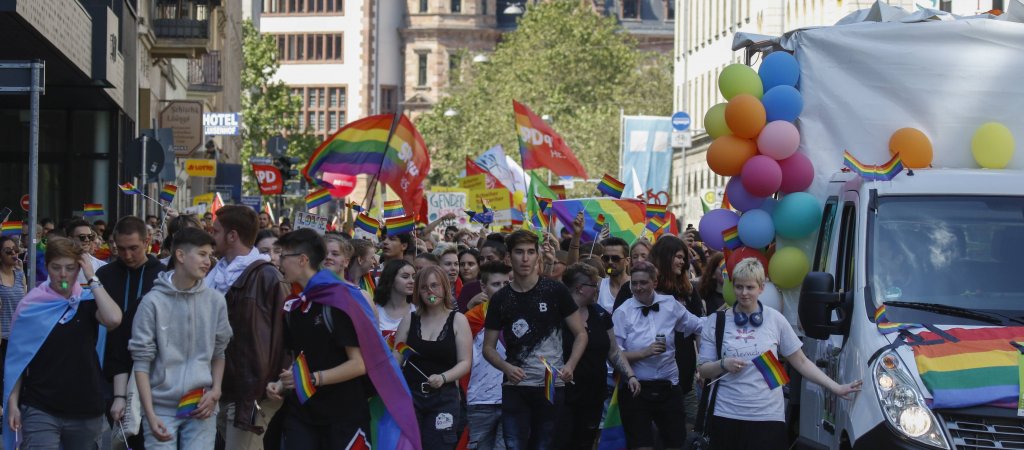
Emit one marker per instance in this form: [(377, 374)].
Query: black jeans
[(732, 434), (660, 403), (528, 419), (440, 416), (302, 435)]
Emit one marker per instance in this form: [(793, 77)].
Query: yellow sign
[(201, 168), (474, 182), (497, 199), (201, 199)]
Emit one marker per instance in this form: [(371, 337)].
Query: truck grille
[(976, 432)]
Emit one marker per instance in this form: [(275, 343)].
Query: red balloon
[(743, 253), (343, 184)]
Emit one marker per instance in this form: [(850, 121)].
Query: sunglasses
[(611, 258), (10, 251), (86, 237)]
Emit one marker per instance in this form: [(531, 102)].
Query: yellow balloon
[(788, 267), (992, 146)]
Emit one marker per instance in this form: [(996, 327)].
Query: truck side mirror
[(818, 301)]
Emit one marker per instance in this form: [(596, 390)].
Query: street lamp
[(450, 113), (514, 9)]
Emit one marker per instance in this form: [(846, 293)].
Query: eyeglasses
[(288, 255), (86, 237), (611, 258), (10, 251), (589, 284)]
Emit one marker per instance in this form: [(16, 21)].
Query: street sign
[(680, 121), (222, 124), (186, 119), (24, 202), (252, 201), (681, 139), (277, 146), (201, 168)]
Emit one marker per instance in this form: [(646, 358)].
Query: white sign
[(221, 124), (681, 139), (197, 210), (441, 203), (313, 221)]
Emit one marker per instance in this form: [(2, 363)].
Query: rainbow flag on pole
[(613, 435), (405, 350), (655, 224), (610, 186), (624, 218), (656, 210), (771, 369), (92, 209), (368, 224), (317, 198), (304, 388), (393, 208), (189, 403), (731, 236), (882, 172), (168, 192), (549, 380), (399, 225), (129, 189), (12, 228)]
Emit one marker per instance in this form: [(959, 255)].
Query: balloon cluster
[(755, 143)]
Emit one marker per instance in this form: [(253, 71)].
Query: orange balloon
[(728, 153), (914, 147), (745, 116)]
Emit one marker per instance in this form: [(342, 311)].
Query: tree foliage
[(566, 61)]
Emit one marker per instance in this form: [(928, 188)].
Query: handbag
[(701, 437), (131, 422)]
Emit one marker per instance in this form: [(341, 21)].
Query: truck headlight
[(903, 405)]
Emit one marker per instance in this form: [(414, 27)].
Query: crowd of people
[(231, 331)]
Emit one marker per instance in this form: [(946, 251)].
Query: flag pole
[(376, 179)]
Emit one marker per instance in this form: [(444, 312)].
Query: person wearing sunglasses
[(12, 289), (616, 261), (83, 232)]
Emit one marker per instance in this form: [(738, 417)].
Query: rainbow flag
[(363, 146), (368, 284), (400, 225), (129, 189), (625, 218), (317, 198), (393, 208), (771, 369), (656, 210), (405, 350), (356, 207), (367, 224), (882, 172), (304, 388), (723, 269), (655, 224), (610, 186), (189, 403), (980, 369), (11, 228), (731, 236), (92, 209), (599, 224), (476, 317), (168, 192), (549, 380), (613, 435), (886, 327)]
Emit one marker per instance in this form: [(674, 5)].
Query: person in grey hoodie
[(178, 341)]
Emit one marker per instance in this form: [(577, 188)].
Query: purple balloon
[(761, 176), (714, 223), (797, 173), (739, 198)]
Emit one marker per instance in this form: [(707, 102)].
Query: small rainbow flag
[(655, 210), (610, 186), (731, 236), (129, 189), (549, 380), (771, 369), (168, 192), (405, 350), (303, 379), (356, 207), (92, 209), (613, 435), (884, 172), (12, 228), (655, 224), (393, 208), (368, 284), (317, 198), (599, 224), (189, 403), (367, 224), (399, 225), (723, 269)]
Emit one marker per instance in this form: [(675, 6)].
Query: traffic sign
[(24, 202), (680, 121), (277, 146)]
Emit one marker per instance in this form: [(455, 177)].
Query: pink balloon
[(761, 176), (779, 139), (797, 173)]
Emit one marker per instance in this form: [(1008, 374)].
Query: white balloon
[(771, 296)]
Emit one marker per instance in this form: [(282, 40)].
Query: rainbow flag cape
[(613, 435), (129, 189), (393, 208), (189, 402), (317, 198), (980, 369), (304, 388), (168, 192), (610, 186), (882, 172), (400, 225), (625, 218), (363, 146), (11, 228), (405, 350), (549, 380), (771, 369), (367, 224), (656, 210), (92, 209), (731, 236)]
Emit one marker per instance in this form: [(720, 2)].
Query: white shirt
[(745, 396), (484, 379), (389, 325), (605, 296), (224, 274), (634, 331)]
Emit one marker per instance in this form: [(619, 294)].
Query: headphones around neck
[(755, 319)]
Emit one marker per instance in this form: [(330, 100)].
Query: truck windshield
[(962, 251)]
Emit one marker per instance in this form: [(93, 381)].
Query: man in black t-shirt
[(531, 312)]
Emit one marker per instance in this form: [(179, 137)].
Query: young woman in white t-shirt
[(394, 296), (747, 414)]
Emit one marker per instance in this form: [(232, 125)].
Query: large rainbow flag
[(625, 218), (981, 369), (363, 147)]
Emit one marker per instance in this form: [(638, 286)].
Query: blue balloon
[(783, 103), (797, 215), (756, 228), (779, 69), (769, 205)]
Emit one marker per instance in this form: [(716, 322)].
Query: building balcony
[(181, 28), (204, 73)]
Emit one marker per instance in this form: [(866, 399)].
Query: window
[(323, 109), (424, 6), (670, 9), (454, 68), (631, 9), (456, 6), (303, 6), (388, 99), (483, 7), (421, 70), (297, 47)]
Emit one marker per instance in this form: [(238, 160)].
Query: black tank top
[(432, 357)]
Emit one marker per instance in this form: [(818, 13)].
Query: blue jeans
[(528, 419), (189, 433), (40, 430), (485, 427)]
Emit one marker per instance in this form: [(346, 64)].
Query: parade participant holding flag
[(54, 333), (748, 409)]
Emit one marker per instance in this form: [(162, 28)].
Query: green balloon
[(739, 79), (728, 292), (714, 121), (788, 267)]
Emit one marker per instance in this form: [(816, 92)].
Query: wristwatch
[(94, 281)]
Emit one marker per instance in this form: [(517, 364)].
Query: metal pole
[(33, 164), (142, 182)]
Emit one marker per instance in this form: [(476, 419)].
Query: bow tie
[(645, 310), (300, 303)]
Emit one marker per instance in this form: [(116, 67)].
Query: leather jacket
[(256, 354)]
